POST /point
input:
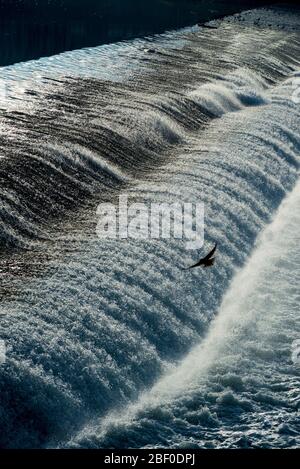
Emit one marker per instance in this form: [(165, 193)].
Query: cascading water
[(220, 394), (89, 324)]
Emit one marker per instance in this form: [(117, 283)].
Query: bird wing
[(195, 265), (210, 254)]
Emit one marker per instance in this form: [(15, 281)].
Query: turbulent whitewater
[(110, 343)]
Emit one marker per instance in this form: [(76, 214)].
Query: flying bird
[(206, 261)]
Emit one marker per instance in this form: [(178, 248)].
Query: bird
[(207, 261)]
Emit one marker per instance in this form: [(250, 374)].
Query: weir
[(250, 313), (102, 321)]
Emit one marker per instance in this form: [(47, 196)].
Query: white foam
[(236, 311)]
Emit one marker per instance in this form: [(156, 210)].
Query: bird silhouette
[(206, 261)]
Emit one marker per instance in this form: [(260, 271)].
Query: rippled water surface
[(110, 343)]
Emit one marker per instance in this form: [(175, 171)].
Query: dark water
[(32, 29)]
